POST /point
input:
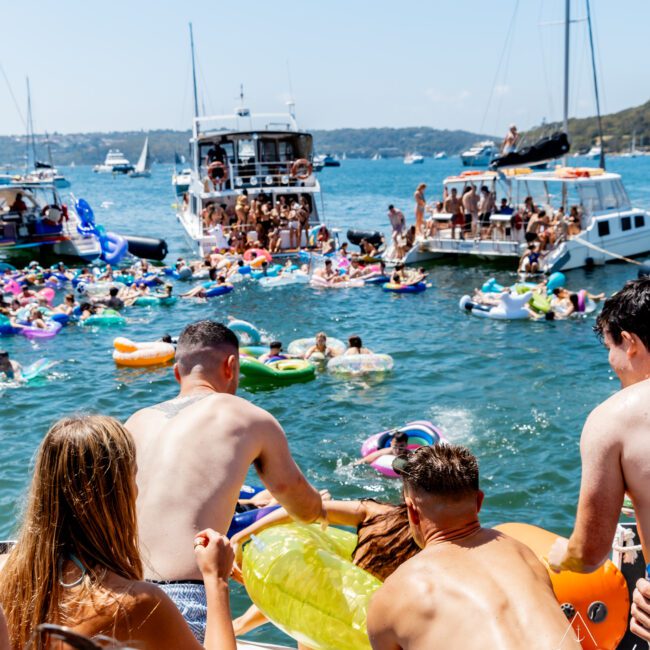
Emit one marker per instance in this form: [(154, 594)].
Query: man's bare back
[(485, 591), (193, 453)]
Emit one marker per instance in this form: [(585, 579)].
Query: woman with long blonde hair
[(76, 561)]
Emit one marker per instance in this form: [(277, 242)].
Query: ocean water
[(517, 393)]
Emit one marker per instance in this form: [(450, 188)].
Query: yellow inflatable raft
[(597, 604), (302, 579), (139, 355)]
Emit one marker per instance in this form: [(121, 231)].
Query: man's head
[(391, 207), (624, 327), (5, 363), (113, 291), (504, 202), (454, 191), (441, 489), (208, 352)]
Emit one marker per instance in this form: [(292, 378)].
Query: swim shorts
[(189, 597)]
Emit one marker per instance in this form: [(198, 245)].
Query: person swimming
[(398, 446), (9, 368), (320, 347), (274, 353), (355, 346)]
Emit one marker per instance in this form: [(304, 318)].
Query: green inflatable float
[(283, 370), (302, 579)]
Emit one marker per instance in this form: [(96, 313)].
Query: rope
[(623, 544), (606, 252)]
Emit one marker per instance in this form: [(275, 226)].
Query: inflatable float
[(140, 355), (108, 318), (420, 433), (302, 579), (284, 370), (244, 519), (510, 307), (52, 328), (598, 603), (299, 347), (246, 332), (418, 287), (358, 364), (37, 369), (377, 279), (154, 300), (218, 290), (286, 279), (321, 283)]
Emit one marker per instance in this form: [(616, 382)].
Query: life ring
[(357, 364), (300, 346), (239, 327), (303, 579), (214, 176), (52, 215), (285, 370), (301, 169), (420, 433), (218, 290)]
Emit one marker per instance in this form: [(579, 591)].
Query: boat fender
[(148, 248)]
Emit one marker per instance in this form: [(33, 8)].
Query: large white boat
[(413, 159), (610, 227), (594, 152), (34, 222), (480, 154), (115, 163), (247, 154)]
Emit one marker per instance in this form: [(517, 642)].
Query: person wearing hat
[(469, 586), (510, 141)]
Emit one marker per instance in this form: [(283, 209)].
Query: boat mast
[(567, 33), (593, 67), (31, 142), (196, 97)]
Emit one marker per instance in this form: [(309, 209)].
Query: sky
[(452, 64)]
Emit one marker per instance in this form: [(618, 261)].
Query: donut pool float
[(420, 433), (299, 347), (360, 364), (140, 355)]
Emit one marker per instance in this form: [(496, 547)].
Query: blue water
[(516, 392)]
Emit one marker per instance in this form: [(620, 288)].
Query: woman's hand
[(213, 553)]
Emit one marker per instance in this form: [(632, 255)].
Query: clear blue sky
[(124, 65)]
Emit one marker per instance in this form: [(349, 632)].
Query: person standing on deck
[(510, 141), (420, 206)]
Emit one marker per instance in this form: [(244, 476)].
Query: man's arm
[(602, 490), (283, 478), (381, 632)]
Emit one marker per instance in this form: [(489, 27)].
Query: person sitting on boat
[(274, 353), (469, 568), (504, 208), (398, 446), (529, 262), (19, 204), (355, 346), (320, 347), (453, 206), (10, 369), (510, 141), (431, 226), (575, 222)]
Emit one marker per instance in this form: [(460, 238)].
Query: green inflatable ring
[(302, 579), (286, 370), (107, 318)]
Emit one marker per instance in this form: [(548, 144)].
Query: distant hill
[(91, 148), (618, 130)]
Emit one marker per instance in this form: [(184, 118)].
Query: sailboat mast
[(593, 67), (567, 33), (196, 97), (31, 142)]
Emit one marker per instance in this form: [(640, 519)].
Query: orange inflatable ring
[(261, 254), (301, 169), (597, 603), (213, 176), (140, 355)]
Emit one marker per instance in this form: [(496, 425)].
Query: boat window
[(603, 228), (621, 194), (246, 151), (609, 197), (639, 221), (285, 151), (626, 223), (269, 151), (589, 197)]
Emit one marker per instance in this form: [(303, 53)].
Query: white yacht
[(413, 159), (480, 154), (251, 154), (440, 155), (594, 152), (610, 227), (115, 163)]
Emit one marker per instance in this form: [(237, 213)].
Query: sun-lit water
[(516, 392)]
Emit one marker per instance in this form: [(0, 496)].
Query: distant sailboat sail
[(143, 166)]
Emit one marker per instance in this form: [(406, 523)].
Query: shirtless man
[(470, 587), (397, 221), (452, 206), (615, 447), (193, 453), (470, 207)]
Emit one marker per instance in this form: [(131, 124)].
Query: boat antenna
[(291, 103), (196, 97), (593, 67)]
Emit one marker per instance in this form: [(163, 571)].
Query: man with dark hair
[(615, 447), (193, 454), (113, 301), (470, 587)]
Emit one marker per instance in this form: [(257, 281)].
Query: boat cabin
[(29, 211)]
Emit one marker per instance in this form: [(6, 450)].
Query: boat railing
[(268, 173)]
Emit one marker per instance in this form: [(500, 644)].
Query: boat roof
[(243, 121), (559, 175)]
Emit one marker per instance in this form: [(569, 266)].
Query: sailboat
[(143, 166)]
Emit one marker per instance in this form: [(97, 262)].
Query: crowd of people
[(472, 214), (122, 534), (233, 225)]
